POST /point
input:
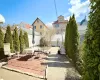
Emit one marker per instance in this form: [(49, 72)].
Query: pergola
[(2, 20)]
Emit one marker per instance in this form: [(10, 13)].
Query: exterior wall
[(61, 18), (36, 39), (57, 39), (56, 44), (61, 28), (30, 40), (38, 29), (60, 24)]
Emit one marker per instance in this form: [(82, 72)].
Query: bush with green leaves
[(91, 57), (72, 40), (16, 43), (21, 39), (43, 42), (1, 44), (8, 38), (1, 38), (26, 40)]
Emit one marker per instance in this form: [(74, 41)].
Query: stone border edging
[(22, 72), (46, 71)]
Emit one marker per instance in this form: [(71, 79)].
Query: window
[(34, 27), (40, 26), (57, 25)]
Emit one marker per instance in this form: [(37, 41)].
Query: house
[(60, 24), (28, 28), (40, 27)]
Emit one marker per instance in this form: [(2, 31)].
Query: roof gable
[(41, 21)]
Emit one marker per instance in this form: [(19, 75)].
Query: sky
[(16, 11)]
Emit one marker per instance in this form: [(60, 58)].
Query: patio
[(28, 63)]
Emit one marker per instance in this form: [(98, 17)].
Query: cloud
[(49, 24), (67, 18), (78, 7)]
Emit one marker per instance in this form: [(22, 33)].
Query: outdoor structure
[(40, 27), (60, 24), (28, 28), (58, 39)]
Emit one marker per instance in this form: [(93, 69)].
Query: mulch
[(29, 63)]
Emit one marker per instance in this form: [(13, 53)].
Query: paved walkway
[(10, 75), (58, 67)]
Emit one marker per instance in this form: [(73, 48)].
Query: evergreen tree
[(1, 38), (26, 40), (69, 38), (72, 39), (91, 58), (75, 40), (1, 44), (21, 39), (66, 37), (8, 38), (16, 44)]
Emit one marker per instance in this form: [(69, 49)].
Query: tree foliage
[(49, 34), (21, 39), (8, 38), (91, 57), (16, 44), (26, 40), (43, 42), (72, 40), (1, 44), (1, 38)]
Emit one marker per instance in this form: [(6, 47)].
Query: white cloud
[(78, 7), (73, 2), (67, 18), (49, 24)]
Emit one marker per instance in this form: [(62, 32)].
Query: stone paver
[(58, 67), (10, 75), (31, 66)]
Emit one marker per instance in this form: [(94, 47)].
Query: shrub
[(26, 40), (16, 44), (8, 38), (21, 39), (43, 42), (91, 57)]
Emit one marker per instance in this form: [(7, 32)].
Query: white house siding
[(30, 37), (30, 40), (36, 39), (57, 39), (62, 28)]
